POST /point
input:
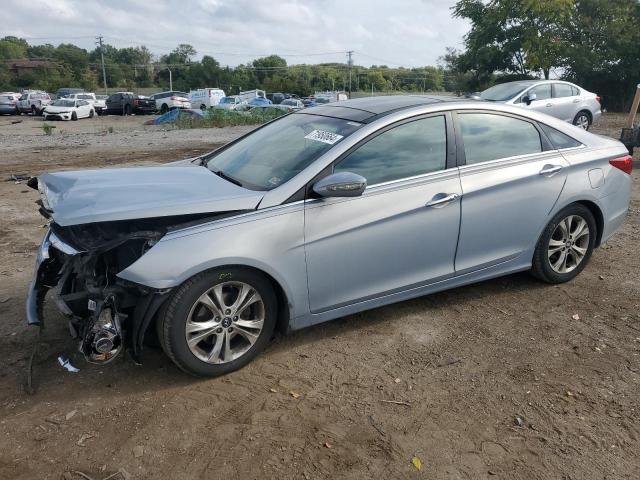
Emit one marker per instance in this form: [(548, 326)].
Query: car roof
[(368, 109)]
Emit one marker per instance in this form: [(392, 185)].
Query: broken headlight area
[(80, 265)]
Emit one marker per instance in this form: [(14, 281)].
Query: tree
[(514, 36)]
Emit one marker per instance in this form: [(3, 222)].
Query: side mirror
[(341, 184), (529, 98)]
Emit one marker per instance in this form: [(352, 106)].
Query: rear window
[(563, 90)]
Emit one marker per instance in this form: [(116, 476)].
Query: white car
[(68, 109), (166, 101), (99, 105), (232, 102), (294, 103), (205, 97), (33, 101), (559, 99)]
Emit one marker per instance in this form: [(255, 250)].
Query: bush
[(216, 117)]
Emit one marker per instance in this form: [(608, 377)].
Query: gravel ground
[(508, 378)]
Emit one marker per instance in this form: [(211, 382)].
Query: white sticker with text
[(324, 137)]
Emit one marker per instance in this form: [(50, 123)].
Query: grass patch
[(217, 118)]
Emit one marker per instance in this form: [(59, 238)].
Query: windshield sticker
[(324, 137)]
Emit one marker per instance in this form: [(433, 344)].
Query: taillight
[(598, 98), (623, 163)]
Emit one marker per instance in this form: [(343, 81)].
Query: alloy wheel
[(225, 322), (568, 244), (582, 121)]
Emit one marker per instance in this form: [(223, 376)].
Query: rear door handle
[(576, 100), (549, 104), (442, 201), (550, 169)]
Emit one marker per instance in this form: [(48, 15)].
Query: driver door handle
[(550, 169), (442, 201)]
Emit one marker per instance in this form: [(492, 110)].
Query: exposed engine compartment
[(80, 264)]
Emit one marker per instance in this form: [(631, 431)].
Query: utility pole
[(350, 64), (104, 72), (170, 80)]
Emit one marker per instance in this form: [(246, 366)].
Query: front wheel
[(91, 113), (74, 116), (218, 321), (565, 245)]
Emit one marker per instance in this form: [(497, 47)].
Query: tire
[(164, 108), (74, 116), (184, 306), (127, 109), (91, 113), (203, 107), (34, 110), (554, 243), (582, 120)]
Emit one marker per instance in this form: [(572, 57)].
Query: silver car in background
[(562, 100), (320, 214)]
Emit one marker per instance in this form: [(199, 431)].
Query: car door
[(511, 178), (543, 101), (565, 103), (83, 108), (401, 232)]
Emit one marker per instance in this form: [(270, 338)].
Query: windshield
[(277, 152), (63, 103), (503, 92)]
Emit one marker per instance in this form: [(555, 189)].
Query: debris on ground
[(575, 316), (66, 364), (138, 451), (83, 438), (417, 462)]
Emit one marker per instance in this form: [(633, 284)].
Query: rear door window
[(488, 136), (558, 139), (542, 91), (561, 90)]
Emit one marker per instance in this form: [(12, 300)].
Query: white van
[(205, 97)]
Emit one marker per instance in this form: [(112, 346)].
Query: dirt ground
[(508, 378)]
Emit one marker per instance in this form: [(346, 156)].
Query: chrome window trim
[(506, 161)]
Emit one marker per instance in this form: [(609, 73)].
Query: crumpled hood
[(88, 196)]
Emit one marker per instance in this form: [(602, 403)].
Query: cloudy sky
[(395, 33)]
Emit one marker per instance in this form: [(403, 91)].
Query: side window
[(542, 91), (558, 139), (563, 90), (491, 137), (410, 149), (575, 91)]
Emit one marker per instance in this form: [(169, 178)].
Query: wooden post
[(634, 108)]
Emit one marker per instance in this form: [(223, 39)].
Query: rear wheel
[(218, 321), (91, 113), (565, 245), (582, 120), (164, 108), (34, 110)]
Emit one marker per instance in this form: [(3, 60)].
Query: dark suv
[(126, 103)]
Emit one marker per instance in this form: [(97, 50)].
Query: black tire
[(203, 107), (583, 117), (74, 116), (91, 113), (174, 315), (541, 265), (34, 110), (164, 108), (127, 109)]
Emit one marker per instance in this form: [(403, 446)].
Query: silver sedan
[(559, 99), (320, 214)]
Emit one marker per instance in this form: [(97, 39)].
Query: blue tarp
[(172, 115)]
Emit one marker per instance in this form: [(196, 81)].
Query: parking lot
[(510, 378)]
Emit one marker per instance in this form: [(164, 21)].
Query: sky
[(407, 33)]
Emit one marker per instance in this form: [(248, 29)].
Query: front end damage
[(80, 265)]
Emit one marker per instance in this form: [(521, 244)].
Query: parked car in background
[(127, 103), (293, 103), (277, 98), (231, 102), (329, 97), (64, 92), (166, 101), (33, 101), (562, 100), (68, 109), (309, 102), (9, 103), (205, 97), (319, 214), (259, 101), (99, 105), (248, 95)]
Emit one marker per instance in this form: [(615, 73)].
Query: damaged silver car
[(319, 214)]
